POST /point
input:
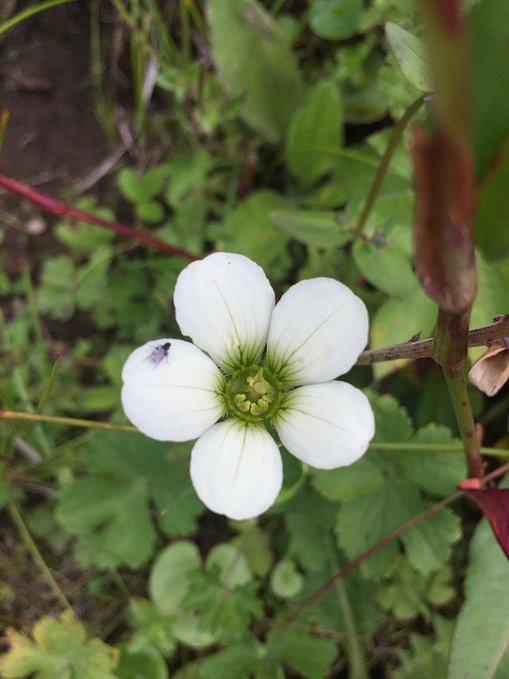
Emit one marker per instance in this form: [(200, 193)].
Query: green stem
[(69, 421), (457, 385), (32, 548), (356, 659), (397, 133)]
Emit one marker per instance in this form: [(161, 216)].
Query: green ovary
[(253, 394)]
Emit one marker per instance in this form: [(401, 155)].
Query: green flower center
[(253, 394)]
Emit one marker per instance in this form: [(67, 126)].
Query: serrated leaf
[(386, 267), (481, 636), (255, 63), (428, 544), (312, 227), (310, 656), (315, 134), (335, 19), (410, 54), (230, 564), (309, 521), (153, 628), (427, 657), (347, 483), (144, 662), (127, 471), (235, 662), (60, 648)]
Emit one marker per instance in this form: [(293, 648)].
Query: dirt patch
[(53, 134)]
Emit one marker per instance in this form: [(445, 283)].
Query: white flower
[(254, 366)]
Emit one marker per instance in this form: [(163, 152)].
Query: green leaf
[(315, 134), (60, 648), (489, 32), (427, 657), (312, 227), (153, 628), (170, 575), (286, 581), (481, 636), (386, 267), (335, 19), (492, 222), (347, 483), (238, 661), (249, 230), (435, 472), (429, 543), (310, 656), (410, 54), (309, 520), (230, 564), (409, 592), (84, 238), (142, 188), (255, 546), (127, 471), (151, 211), (255, 63), (144, 662)]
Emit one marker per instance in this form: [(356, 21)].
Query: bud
[(443, 243), (491, 370)]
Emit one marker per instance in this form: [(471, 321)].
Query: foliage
[(255, 127)]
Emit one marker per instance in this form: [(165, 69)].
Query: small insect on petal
[(159, 353)]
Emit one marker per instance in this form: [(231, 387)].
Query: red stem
[(60, 209)]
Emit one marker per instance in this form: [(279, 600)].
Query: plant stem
[(457, 386), (69, 421), (32, 548), (423, 348), (111, 426), (397, 133), (60, 209)]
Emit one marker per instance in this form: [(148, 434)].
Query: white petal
[(224, 303), (318, 329), (326, 425), (236, 469), (176, 399)]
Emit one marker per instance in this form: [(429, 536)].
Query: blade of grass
[(29, 12)]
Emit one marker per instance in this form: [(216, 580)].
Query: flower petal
[(224, 303), (326, 425), (318, 329), (176, 399), (236, 469)]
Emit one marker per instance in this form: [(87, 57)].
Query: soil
[(53, 135)]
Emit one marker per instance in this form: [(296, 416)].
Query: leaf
[(127, 471), (142, 188), (335, 19), (481, 636), (409, 592), (229, 563), (309, 520), (410, 54), (310, 656), (170, 575), (347, 483), (153, 628), (84, 238), (248, 229), (234, 662), (144, 662), (427, 657), (429, 543), (489, 25), (315, 134), (386, 267), (60, 648), (312, 227), (285, 581), (255, 63), (492, 222)]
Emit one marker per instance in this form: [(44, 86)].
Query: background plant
[(280, 130)]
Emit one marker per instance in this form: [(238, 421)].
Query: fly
[(159, 353)]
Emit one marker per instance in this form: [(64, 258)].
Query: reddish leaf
[(494, 504)]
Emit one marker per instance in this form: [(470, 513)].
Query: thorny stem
[(397, 133), (377, 546), (423, 348), (32, 548), (60, 209)]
